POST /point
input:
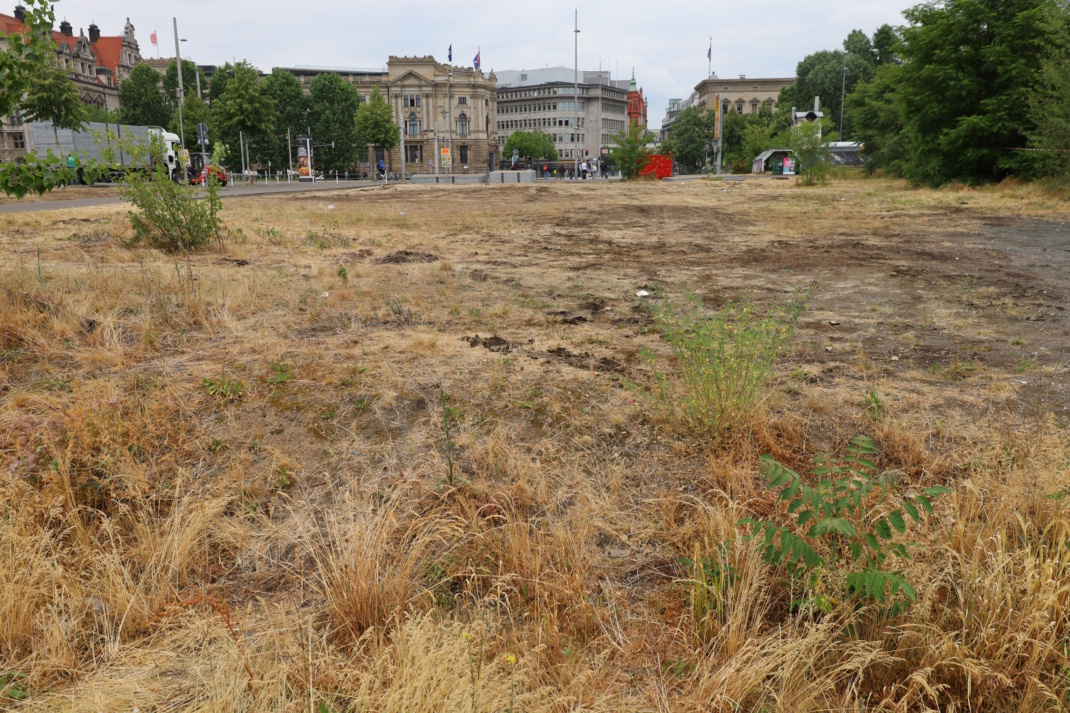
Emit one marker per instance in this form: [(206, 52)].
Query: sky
[(666, 44)]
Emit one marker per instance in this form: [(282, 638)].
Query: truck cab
[(170, 146)]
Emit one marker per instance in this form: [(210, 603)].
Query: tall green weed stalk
[(726, 358)]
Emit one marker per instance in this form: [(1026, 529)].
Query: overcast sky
[(666, 42)]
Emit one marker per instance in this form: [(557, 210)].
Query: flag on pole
[(476, 60), (709, 55), (451, 53), (152, 37)]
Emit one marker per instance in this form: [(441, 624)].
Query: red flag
[(152, 37)]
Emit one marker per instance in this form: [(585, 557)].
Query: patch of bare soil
[(403, 257)]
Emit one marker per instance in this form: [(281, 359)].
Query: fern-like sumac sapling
[(847, 521)]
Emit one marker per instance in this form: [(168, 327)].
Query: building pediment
[(409, 78)]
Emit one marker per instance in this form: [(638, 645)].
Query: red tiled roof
[(107, 50)]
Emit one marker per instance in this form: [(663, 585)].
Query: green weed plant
[(845, 528), (726, 359)]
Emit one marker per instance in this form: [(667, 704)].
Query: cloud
[(665, 43)]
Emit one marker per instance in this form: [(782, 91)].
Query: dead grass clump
[(430, 666), (107, 447), (370, 564)]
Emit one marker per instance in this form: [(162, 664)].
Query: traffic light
[(586, 152)]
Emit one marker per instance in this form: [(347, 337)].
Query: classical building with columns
[(436, 105), (744, 95)]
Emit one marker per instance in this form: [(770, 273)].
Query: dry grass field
[(394, 450)]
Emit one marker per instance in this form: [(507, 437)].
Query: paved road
[(231, 192)]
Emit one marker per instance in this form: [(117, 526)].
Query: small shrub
[(844, 526), (170, 216), (725, 359)]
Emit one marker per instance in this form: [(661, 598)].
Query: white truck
[(95, 141)]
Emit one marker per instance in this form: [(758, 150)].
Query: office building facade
[(581, 120)]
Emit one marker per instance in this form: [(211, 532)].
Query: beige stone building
[(436, 105), (743, 95)]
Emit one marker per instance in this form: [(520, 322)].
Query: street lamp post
[(449, 128), (181, 96), (843, 94), (576, 100)]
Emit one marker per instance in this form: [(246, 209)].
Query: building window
[(462, 125), (413, 154), (412, 100), (462, 100), (414, 125), (20, 141), (464, 155), (739, 107), (724, 108)]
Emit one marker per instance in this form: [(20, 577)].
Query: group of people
[(562, 171)]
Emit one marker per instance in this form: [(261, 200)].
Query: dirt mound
[(400, 257), (584, 360), (494, 343)]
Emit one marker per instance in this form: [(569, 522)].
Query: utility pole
[(181, 96), (576, 100), (241, 151), (449, 128), (199, 95), (290, 151), (843, 94), (438, 159), (404, 128)]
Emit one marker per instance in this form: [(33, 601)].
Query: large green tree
[(243, 113), (693, 135), (530, 144), (877, 121), (333, 105), (219, 83), (375, 124), (52, 96), (963, 89), (140, 100), (821, 74), (1049, 109), (189, 82), (291, 113), (194, 111), (23, 55), (22, 58), (886, 45)]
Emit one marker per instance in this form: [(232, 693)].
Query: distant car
[(200, 178)]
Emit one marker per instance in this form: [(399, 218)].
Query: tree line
[(241, 107), (966, 90)]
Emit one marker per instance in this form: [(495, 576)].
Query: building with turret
[(97, 64), (637, 105)]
